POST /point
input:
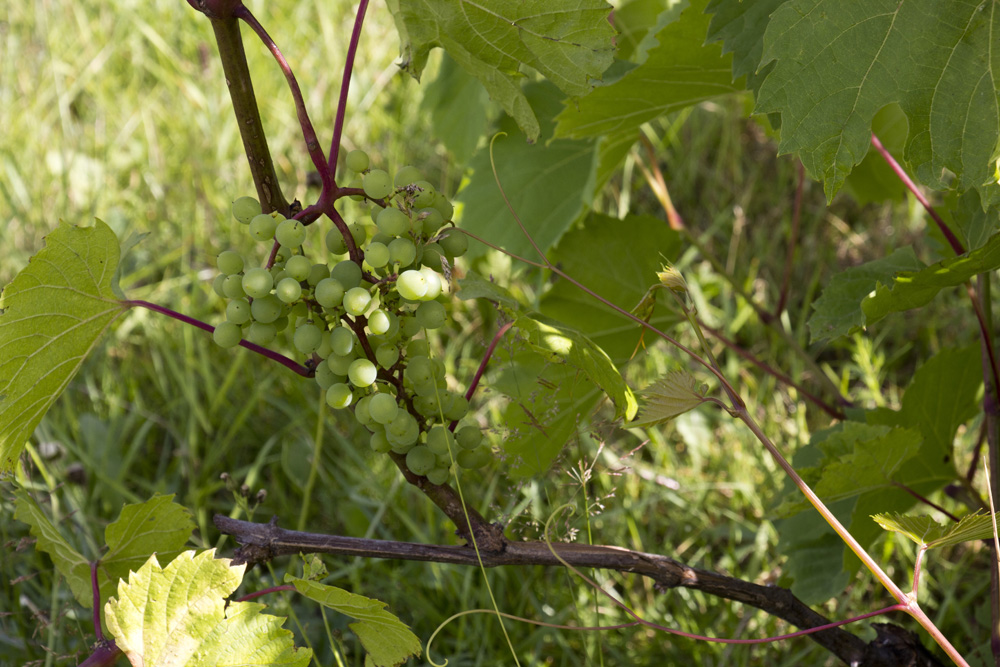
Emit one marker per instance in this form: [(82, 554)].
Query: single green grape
[(359, 232), (357, 160), (411, 285), (290, 233), (347, 272), (362, 373), (339, 396), (431, 217), (383, 408), (419, 370), (288, 290), (298, 267), (419, 347), (402, 252), (377, 255), (431, 315), (317, 273), (326, 378), (402, 424), (470, 459), (227, 334), (335, 243), (232, 287), (453, 242), (245, 209), (443, 206), (425, 195), (262, 227), (261, 333), (356, 300), (420, 460), (377, 184), (229, 262), (340, 364), (361, 411), (257, 283), (342, 341), (378, 442), (468, 437), (266, 310), (426, 401), (238, 311), (434, 283), (299, 312), (407, 175), (455, 406), (217, 285), (378, 322), (307, 338), (386, 354), (393, 222), (329, 292), (438, 476), (431, 259)]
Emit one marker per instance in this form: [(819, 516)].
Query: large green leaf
[(388, 641), (837, 64), (178, 615), (549, 184), (912, 289), (458, 108), (51, 316), (838, 309), (679, 72), (567, 41), (617, 259), (740, 27)]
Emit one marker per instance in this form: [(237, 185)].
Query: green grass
[(120, 111)]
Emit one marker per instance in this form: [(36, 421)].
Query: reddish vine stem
[(345, 84), (96, 590), (925, 501), (291, 364), (793, 242), (470, 392)]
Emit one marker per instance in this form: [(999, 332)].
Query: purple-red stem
[(926, 501), (345, 84), (265, 591), (253, 347), (96, 589), (486, 358), (793, 242)]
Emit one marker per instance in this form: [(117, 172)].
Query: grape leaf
[(838, 309), (51, 316), (924, 530), (637, 23), (549, 184), (912, 289), (617, 259), (388, 641), (70, 562), (679, 72), (474, 286), (158, 526), (836, 65), (740, 27), (567, 41), (178, 615), (672, 395), (458, 108)]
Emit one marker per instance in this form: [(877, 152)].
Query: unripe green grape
[(339, 396), (326, 378), (383, 408), (408, 326), (261, 333), (387, 354), (425, 196), (411, 285), (342, 341), (454, 242), (470, 459), (431, 315), (232, 287), (377, 184), (262, 227), (393, 222), (420, 460), (340, 364), (335, 243), (403, 443), (419, 370), (377, 255), (299, 311), (417, 228), (217, 285), (245, 209), (431, 217), (281, 323), (290, 233), (361, 411), (420, 348), (443, 206), (438, 476), (357, 160), (431, 259), (362, 373), (238, 311), (298, 267), (455, 406), (357, 184), (329, 292), (307, 338), (378, 442), (348, 273), (401, 424), (229, 262), (227, 334), (359, 232), (407, 175), (379, 237), (378, 322), (402, 252), (278, 274), (288, 290), (434, 284), (426, 401), (266, 310), (432, 390), (468, 437), (356, 300), (324, 350), (257, 283), (317, 273)]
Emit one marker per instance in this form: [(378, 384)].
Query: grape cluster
[(361, 326)]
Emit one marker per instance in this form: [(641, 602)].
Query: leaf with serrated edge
[(388, 641), (51, 316), (668, 397), (837, 64), (178, 615), (922, 529), (70, 562)]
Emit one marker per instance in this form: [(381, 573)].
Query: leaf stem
[(345, 84)]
